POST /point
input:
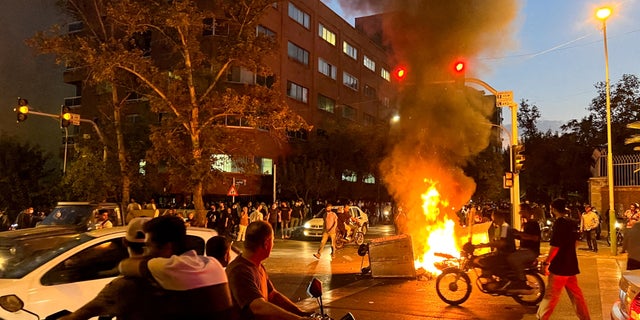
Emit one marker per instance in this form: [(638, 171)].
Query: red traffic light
[(400, 73), (459, 66)]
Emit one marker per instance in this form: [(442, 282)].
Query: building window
[(262, 30), (386, 102), (297, 92), (384, 73), (349, 176), (349, 50), (266, 166), (142, 164), (240, 75), (327, 69), (349, 112), (224, 163), (370, 64), (368, 120), (350, 81), (298, 54), (75, 26), (369, 179), (265, 81), (326, 34), (299, 16), (369, 91), (327, 104)]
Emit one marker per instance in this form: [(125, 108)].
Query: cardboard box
[(392, 257)]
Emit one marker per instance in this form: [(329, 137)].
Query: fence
[(626, 169)]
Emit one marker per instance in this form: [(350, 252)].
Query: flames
[(442, 231)]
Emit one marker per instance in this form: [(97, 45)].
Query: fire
[(441, 235)]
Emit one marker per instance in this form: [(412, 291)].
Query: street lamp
[(602, 14)]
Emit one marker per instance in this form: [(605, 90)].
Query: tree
[(28, 176), (528, 116), (160, 48)]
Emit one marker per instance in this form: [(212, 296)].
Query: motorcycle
[(357, 235), (453, 285), (315, 291), (545, 230), (619, 235)]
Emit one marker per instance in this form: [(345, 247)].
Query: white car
[(52, 268), (313, 228), (628, 306)]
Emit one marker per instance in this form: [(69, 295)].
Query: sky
[(558, 55)]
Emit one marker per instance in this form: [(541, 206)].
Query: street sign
[(75, 119), (504, 98), (232, 192)]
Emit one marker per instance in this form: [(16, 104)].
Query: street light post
[(602, 14)]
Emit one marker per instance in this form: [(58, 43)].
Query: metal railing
[(626, 169)]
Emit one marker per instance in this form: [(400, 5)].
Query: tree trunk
[(121, 150)]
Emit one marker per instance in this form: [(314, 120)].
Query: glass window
[(369, 179), (327, 104), (266, 166), (297, 92), (350, 81), (384, 73), (368, 120), (369, 91), (262, 30), (370, 64), (299, 16), (326, 34), (349, 50), (240, 75), (349, 176), (349, 112), (327, 69), (298, 54)]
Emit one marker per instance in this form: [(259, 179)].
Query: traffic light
[(459, 69), (518, 157), (65, 117), (21, 110), (400, 73)]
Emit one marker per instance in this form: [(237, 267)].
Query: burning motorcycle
[(453, 285)]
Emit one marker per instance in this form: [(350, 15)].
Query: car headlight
[(307, 225), (618, 225), (549, 222)]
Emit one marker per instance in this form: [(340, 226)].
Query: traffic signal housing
[(459, 70), (400, 73), (21, 110), (518, 157), (65, 117)]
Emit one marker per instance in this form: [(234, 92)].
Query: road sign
[(232, 192), (504, 98), (75, 119)]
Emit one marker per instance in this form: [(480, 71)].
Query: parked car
[(57, 268), (313, 228), (628, 305), (81, 215)]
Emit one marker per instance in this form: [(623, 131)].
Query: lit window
[(326, 34), (141, 167), (298, 54), (327, 104), (266, 166), (369, 179), (350, 81), (370, 64), (297, 92), (384, 73), (299, 16), (349, 176), (349, 50), (327, 69)]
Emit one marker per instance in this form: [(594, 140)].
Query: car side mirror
[(11, 303), (315, 288)]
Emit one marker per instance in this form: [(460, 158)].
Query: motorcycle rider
[(529, 248), (503, 241)]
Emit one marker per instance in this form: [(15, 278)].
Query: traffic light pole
[(515, 190), (95, 127)]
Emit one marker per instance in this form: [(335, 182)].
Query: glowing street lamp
[(602, 14)]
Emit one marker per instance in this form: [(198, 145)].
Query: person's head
[(219, 247), (102, 215), (134, 238), (29, 210), (165, 236), (498, 217), (558, 206), (328, 207), (284, 204), (259, 238), (526, 211), (587, 207), (245, 209)]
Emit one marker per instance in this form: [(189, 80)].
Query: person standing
[(589, 221), (329, 231), (285, 214), (296, 214), (211, 216), (25, 219), (273, 216), (244, 222), (561, 265), (256, 215)]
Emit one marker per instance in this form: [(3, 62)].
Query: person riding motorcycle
[(529, 247), (343, 222), (503, 241)]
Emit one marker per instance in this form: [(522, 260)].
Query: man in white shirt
[(330, 229)]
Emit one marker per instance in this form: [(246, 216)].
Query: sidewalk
[(408, 299)]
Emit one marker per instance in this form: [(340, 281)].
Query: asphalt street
[(291, 267)]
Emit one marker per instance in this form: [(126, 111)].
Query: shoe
[(316, 255), (520, 287)]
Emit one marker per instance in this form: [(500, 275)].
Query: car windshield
[(19, 258), (68, 215)]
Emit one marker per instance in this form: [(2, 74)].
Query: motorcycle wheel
[(359, 237), (535, 281), (453, 286), (339, 242), (364, 229), (619, 238)]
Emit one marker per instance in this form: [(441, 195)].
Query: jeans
[(555, 285), (325, 236), (591, 239), (520, 259)]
